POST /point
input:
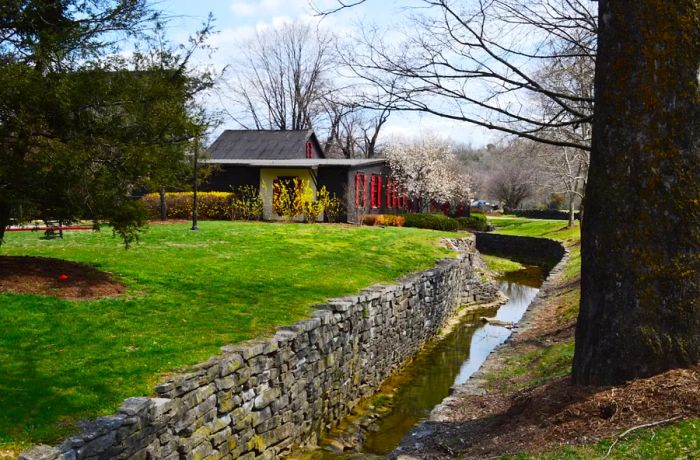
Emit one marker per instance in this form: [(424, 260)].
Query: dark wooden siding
[(230, 176), (335, 179)]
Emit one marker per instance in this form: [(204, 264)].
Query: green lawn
[(188, 294)]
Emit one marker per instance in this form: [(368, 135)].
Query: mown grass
[(188, 294), (501, 266)]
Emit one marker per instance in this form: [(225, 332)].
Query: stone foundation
[(257, 399)]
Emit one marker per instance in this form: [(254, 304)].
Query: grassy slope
[(677, 441), (189, 293)]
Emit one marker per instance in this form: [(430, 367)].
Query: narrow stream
[(427, 380)]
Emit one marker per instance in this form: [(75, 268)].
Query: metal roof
[(302, 163), (247, 144)]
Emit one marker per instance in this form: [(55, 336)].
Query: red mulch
[(40, 275)]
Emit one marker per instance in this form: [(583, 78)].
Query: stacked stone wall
[(257, 399), (538, 251)]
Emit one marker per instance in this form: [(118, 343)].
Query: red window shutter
[(389, 181), (373, 191), (309, 150), (365, 191), (379, 191)]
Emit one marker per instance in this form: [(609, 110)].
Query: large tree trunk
[(4, 220), (640, 298)]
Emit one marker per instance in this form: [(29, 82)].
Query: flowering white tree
[(427, 170)]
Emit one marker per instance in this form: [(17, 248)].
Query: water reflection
[(488, 337), (427, 381)]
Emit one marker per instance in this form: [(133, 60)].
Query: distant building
[(255, 157)]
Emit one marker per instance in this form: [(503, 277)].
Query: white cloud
[(258, 8), (244, 9), (409, 126)]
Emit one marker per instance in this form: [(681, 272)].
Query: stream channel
[(407, 397)]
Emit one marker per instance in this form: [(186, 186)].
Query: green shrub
[(476, 221), (431, 221)]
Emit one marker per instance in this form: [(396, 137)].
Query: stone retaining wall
[(538, 251), (258, 399), (412, 445)]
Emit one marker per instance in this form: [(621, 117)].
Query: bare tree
[(481, 62), (567, 167), (565, 171), (281, 80), (515, 179), (353, 131)]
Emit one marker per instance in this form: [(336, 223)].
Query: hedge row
[(475, 221), (389, 220), (553, 214), (210, 205), (444, 223)]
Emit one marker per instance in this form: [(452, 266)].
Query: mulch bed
[(541, 418), (558, 413), (55, 277)]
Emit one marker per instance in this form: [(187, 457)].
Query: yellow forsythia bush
[(210, 205), (388, 220)]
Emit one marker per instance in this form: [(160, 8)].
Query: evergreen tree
[(83, 129)]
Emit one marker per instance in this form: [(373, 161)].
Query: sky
[(237, 21)]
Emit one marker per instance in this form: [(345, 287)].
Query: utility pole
[(194, 185)]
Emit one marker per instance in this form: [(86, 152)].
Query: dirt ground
[(55, 277), (477, 424)]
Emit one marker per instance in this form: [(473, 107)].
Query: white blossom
[(427, 170)]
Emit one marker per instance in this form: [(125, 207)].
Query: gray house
[(263, 157)]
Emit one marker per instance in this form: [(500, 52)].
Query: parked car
[(483, 205)]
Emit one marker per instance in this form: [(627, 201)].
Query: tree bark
[(640, 286), (163, 205), (4, 220), (572, 211)]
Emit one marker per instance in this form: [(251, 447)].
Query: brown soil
[(169, 221), (41, 275), (541, 418)]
